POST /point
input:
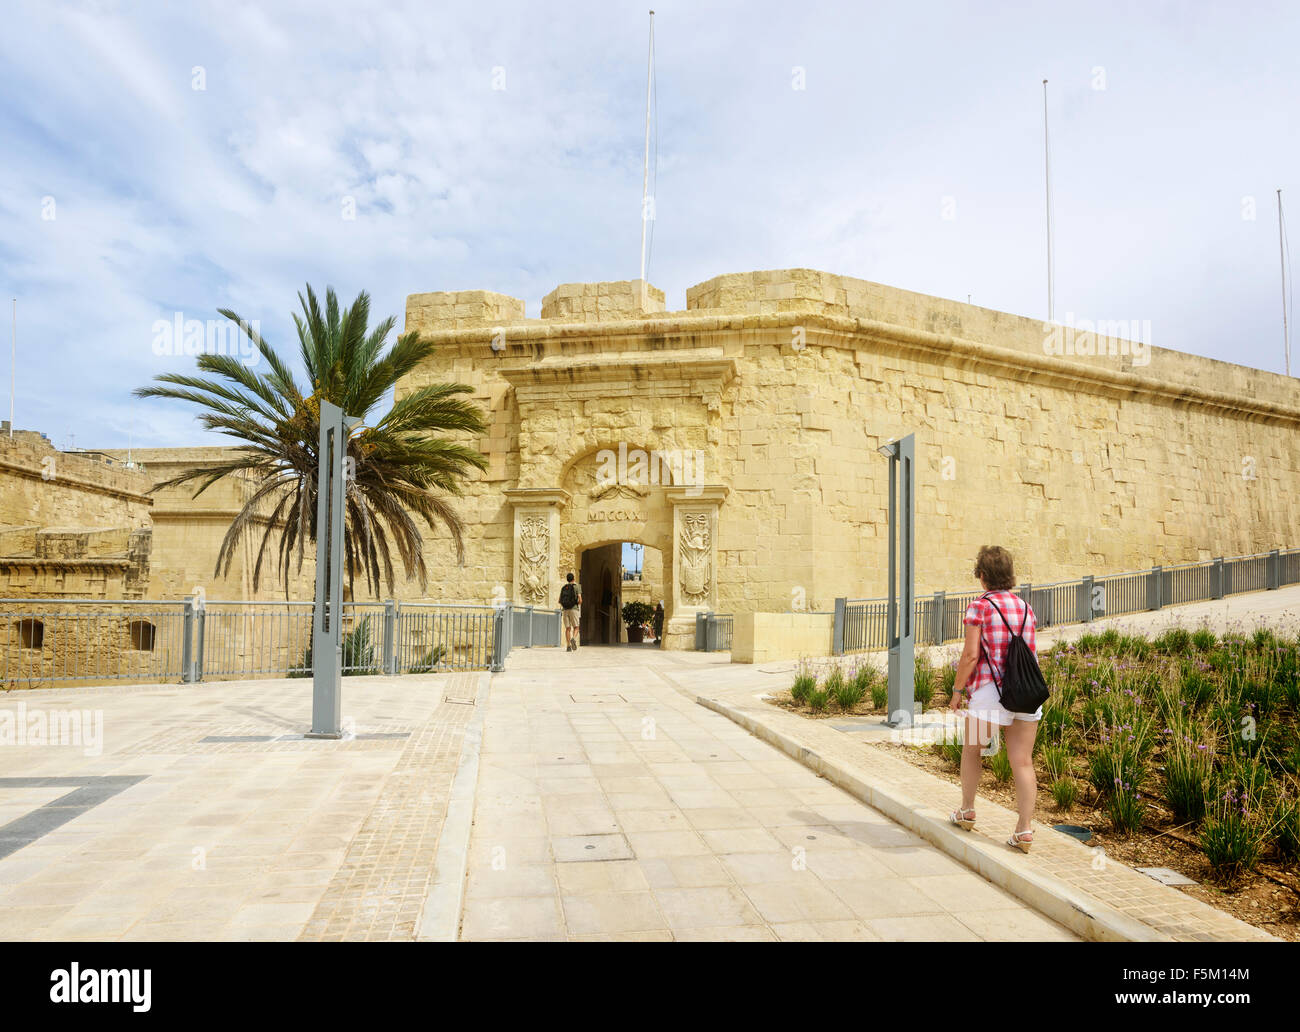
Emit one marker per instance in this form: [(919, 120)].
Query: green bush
[(430, 661), (834, 680), (1175, 642), (1197, 689), (1000, 765), (1285, 826), (804, 682), (1204, 640), (1087, 643), (847, 694), (879, 693), (1065, 791), (952, 750), (1114, 762), (637, 614), (947, 679), (1188, 765), (1056, 760), (817, 699), (924, 681), (1231, 837), (1126, 808), (358, 654), (866, 677)]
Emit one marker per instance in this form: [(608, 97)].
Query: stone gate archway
[(613, 494)]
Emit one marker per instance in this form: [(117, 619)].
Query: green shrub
[(1087, 643), (1285, 826), (817, 699), (1108, 639), (1264, 639), (1197, 689), (1000, 765), (1056, 760), (1065, 791), (1126, 808), (1114, 762), (804, 682), (834, 680), (358, 654), (952, 750), (1231, 838), (847, 694), (924, 681), (866, 677), (1134, 646), (1174, 642), (1188, 765), (947, 679), (879, 693), (1204, 640), (358, 651), (1056, 720), (429, 662)]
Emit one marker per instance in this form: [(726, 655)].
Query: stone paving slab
[(201, 839), (657, 819), (1079, 887)]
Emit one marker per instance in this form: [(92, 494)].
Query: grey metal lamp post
[(902, 605), (327, 614)]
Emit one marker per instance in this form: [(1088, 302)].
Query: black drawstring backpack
[(1022, 688)]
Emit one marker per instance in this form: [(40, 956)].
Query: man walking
[(571, 610)]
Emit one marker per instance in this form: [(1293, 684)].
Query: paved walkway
[(610, 806), (206, 815)]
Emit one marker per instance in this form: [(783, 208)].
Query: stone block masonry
[(787, 381)]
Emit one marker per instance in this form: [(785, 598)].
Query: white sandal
[(1019, 840), (959, 818)]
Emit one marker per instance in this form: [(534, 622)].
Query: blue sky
[(168, 198)]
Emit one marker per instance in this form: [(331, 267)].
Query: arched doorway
[(612, 574)]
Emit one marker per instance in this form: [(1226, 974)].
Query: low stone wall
[(763, 637)]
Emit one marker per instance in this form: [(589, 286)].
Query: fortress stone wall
[(783, 384)]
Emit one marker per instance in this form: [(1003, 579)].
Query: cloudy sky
[(162, 158)]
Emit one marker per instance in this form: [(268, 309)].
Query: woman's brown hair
[(993, 568)]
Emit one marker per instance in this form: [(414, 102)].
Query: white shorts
[(985, 705)]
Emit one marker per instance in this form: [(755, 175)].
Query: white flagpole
[(1047, 174), (645, 168), (13, 365), (1281, 253)]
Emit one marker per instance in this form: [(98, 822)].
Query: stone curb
[(440, 920), (1077, 911)]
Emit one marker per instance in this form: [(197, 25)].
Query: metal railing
[(862, 624), (713, 632), (95, 640)]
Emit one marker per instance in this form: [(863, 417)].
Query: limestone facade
[(762, 404), (72, 525)]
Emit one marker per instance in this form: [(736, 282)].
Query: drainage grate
[(597, 697)]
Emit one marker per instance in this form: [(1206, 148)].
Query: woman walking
[(990, 621)]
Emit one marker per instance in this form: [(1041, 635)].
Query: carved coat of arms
[(696, 558), (534, 556)]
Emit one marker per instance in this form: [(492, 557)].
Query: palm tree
[(400, 466)]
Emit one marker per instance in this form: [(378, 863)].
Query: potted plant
[(635, 615)]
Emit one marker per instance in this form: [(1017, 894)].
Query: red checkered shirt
[(994, 633)]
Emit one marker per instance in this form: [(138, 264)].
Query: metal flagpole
[(13, 366), (1281, 251), (645, 167), (1047, 174)]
